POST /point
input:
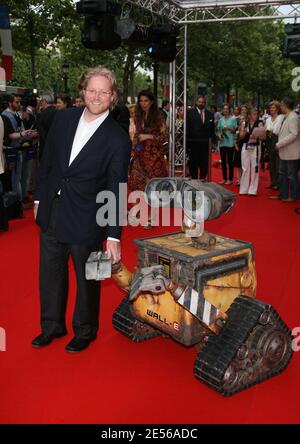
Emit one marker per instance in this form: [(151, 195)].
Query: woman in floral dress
[(150, 136)]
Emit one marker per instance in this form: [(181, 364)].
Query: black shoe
[(43, 340), (78, 344)]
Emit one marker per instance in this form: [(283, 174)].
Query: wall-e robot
[(200, 290)]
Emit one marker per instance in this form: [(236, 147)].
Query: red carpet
[(118, 381)]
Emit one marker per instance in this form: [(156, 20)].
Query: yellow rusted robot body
[(220, 274), (201, 291)]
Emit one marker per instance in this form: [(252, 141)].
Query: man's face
[(201, 102), (283, 108), (16, 104), (78, 102), (98, 95)]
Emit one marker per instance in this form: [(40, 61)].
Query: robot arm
[(154, 280)]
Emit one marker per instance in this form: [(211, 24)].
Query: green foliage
[(243, 56)]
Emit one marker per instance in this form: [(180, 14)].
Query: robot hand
[(149, 279)]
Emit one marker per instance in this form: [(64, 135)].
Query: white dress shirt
[(84, 132)]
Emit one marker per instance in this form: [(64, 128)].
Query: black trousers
[(54, 285), (198, 154), (227, 154)]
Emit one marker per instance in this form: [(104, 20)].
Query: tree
[(244, 55), (37, 24)]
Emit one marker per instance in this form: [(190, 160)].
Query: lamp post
[(65, 71)]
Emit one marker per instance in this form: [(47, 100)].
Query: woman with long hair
[(150, 135)]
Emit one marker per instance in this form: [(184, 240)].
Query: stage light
[(162, 43), (94, 7), (139, 37), (125, 28), (292, 42), (125, 25), (99, 24)]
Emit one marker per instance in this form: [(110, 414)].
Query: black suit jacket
[(196, 132), (101, 165), (43, 123)]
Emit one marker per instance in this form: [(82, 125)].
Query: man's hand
[(113, 249), (35, 210)]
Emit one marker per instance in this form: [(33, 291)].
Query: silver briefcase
[(98, 266)]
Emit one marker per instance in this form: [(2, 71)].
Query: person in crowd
[(148, 152), (44, 119), (78, 102), (200, 129), (19, 139), (288, 146), (266, 113), (132, 129), (86, 152), (3, 214), (151, 134), (30, 164), (237, 161), (226, 129), (237, 114), (165, 110), (273, 125), (250, 155), (121, 115), (63, 101), (217, 115)]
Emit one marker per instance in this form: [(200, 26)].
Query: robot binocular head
[(199, 200)]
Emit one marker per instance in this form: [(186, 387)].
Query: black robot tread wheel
[(254, 345), (126, 323)]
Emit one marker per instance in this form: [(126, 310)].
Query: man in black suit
[(200, 128), (86, 152)]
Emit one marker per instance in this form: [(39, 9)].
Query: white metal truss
[(177, 140), (185, 12)]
